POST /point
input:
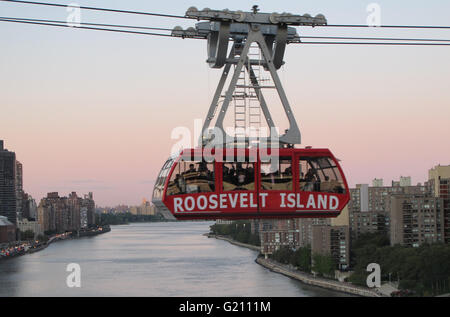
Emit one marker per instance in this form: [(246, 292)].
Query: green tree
[(238, 230), (284, 255), (324, 265), (302, 259), (424, 270)]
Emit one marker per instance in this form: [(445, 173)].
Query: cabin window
[(277, 175), (192, 177), (320, 174), (160, 181), (238, 176)]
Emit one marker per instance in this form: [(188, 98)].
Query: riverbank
[(316, 281), (240, 244), (28, 248), (300, 276)]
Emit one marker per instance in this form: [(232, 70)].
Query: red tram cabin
[(294, 183)]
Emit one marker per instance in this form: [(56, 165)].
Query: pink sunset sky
[(94, 111)]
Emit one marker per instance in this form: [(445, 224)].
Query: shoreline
[(316, 281), (301, 276), (56, 238), (239, 244)]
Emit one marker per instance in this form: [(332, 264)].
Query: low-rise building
[(26, 225), (7, 230)]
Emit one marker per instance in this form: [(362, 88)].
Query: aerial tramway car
[(271, 180), (294, 183)]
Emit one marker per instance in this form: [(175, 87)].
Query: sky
[(94, 111)]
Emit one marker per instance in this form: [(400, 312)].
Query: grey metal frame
[(272, 59), (272, 33)]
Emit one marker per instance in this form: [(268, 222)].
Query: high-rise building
[(293, 233), (61, 214), (88, 202), (439, 184), (8, 199), (83, 217), (422, 215), (333, 241), (405, 181), (369, 222), (277, 233), (343, 219), (416, 219), (74, 218), (29, 207), (369, 207), (438, 178), (51, 212), (19, 189), (147, 209), (377, 182)]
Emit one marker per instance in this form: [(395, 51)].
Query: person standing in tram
[(310, 179), (241, 180), (180, 183)]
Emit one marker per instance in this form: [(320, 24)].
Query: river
[(148, 259)]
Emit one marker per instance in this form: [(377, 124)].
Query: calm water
[(151, 259)]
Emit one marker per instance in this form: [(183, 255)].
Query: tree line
[(125, 218), (424, 269), (304, 260), (238, 230)]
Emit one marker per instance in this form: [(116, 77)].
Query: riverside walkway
[(316, 281)]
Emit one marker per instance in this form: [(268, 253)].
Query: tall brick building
[(370, 206), (416, 219), (61, 214), (333, 241), (8, 202)]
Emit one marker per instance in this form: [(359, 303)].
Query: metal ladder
[(240, 106), (254, 107)]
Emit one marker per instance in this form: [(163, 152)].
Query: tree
[(302, 259), (424, 270), (324, 265), (284, 255)]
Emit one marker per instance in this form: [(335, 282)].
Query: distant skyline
[(93, 111)]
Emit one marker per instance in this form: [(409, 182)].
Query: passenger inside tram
[(320, 174), (238, 177), (192, 177), (277, 175)]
